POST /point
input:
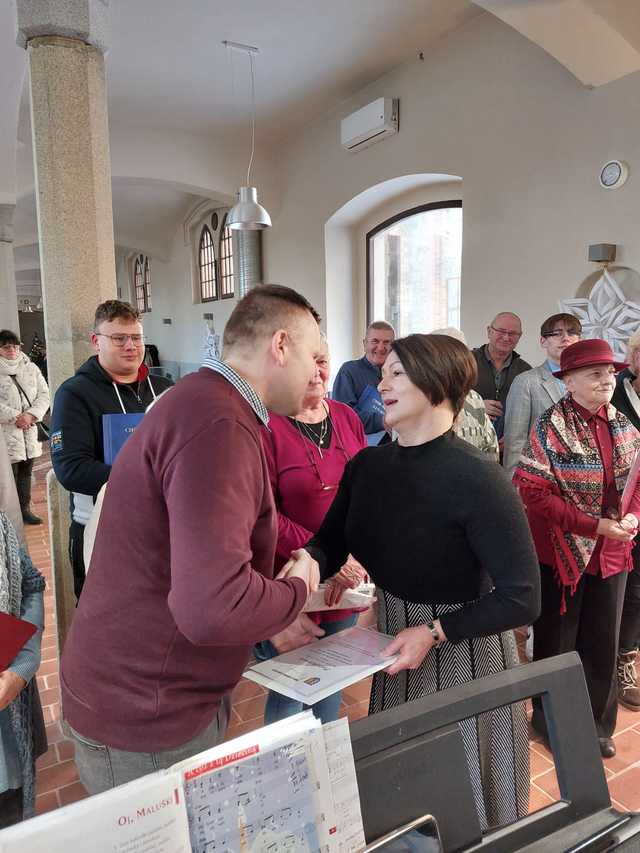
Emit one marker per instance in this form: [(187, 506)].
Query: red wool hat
[(587, 354)]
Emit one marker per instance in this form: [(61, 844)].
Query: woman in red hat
[(571, 476)]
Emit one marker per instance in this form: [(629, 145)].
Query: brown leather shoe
[(628, 688), (607, 747)]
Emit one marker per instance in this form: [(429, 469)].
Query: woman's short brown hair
[(440, 366)]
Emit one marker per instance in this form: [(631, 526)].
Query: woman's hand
[(350, 576), (630, 523), (412, 646), (617, 530), (25, 420), (11, 686)]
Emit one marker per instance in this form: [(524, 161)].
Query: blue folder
[(116, 429)]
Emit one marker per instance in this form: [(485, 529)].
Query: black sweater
[(77, 449), (438, 523)]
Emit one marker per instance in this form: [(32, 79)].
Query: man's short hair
[(571, 323), (381, 324), (8, 337), (502, 314), (265, 309), (440, 366), (114, 309)]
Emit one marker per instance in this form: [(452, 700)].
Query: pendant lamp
[(247, 214)]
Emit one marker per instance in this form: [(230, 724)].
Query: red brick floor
[(57, 778)]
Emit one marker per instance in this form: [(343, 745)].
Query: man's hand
[(302, 565), (300, 633), (614, 530), (351, 575), (10, 686), (493, 408)]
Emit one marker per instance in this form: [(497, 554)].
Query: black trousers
[(591, 627), (76, 544), (630, 625), (22, 476), (10, 807)]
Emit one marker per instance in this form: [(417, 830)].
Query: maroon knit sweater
[(180, 583)]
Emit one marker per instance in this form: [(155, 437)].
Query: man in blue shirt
[(357, 381)]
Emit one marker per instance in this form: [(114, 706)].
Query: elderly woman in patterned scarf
[(22, 732), (571, 476)]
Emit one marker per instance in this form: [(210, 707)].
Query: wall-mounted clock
[(613, 174)]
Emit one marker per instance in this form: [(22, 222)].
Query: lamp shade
[(247, 214)]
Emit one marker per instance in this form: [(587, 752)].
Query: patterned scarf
[(19, 576), (562, 456)]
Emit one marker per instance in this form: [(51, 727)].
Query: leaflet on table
[(148, 814), (265, 791), (352, 599), (318, 670), (349, 833)]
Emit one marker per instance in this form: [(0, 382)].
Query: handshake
[(302, 565)]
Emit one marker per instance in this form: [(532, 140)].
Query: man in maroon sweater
[(181, 583)]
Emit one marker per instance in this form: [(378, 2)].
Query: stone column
[(65, 42), (8, 294)]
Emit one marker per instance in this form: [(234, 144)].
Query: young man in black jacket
[(114, 381)]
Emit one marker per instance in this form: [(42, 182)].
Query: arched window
[(142, 283), (413, 268), (147, 285), (207, 267), (226, 261)]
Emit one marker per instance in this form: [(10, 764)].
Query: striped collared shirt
[(241, 385)]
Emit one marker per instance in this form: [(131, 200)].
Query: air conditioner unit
[(370, 124)]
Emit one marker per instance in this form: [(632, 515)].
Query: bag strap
[(21, 390)]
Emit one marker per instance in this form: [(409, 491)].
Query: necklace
[(318, 433), (314, 433)]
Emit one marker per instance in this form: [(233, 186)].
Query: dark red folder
[(14, 633)]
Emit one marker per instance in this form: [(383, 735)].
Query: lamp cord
[(253, 118)]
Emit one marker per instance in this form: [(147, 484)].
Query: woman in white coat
[(24, 399)]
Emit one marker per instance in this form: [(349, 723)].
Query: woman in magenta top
[(306, 455)]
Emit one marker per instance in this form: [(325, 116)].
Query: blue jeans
[(278, 706)]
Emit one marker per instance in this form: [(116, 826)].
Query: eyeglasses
[(506, 333), (559, 333), (121, 340)]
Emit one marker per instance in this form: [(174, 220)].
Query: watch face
[(611, 174)]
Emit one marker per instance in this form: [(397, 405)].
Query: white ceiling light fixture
[(247, 214)]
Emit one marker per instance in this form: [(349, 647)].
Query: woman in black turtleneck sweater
[(442, 533)]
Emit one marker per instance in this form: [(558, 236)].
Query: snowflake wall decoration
[(606, 314)]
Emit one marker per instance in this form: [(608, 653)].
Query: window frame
[(214, 282), (404, 214), (138, 282), (226, 238)]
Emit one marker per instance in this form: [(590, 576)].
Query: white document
[(348, 833), (352, 599), (147, 815), (266, 791), (318, 670)]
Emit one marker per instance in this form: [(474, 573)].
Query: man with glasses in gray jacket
[(535, 390)]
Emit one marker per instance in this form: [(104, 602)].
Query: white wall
[(528, 141), (171, 296)]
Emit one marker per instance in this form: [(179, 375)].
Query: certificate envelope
[(318, 670), (14, 633)]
